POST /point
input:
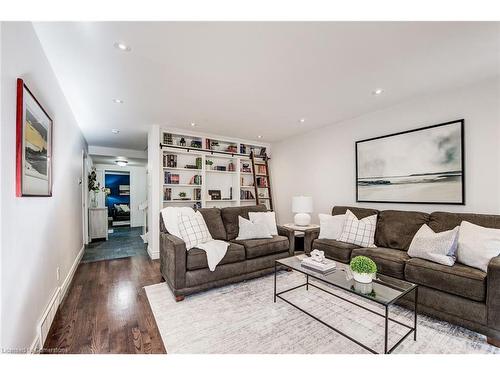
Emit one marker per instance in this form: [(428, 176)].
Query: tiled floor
[(124, 242)]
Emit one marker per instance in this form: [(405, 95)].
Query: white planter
[(363, 277)]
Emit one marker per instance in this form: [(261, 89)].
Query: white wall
[(321, 163), (153, 186), (138, 189), (38, 234)]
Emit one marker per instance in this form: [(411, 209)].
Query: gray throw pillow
[(436, 247)]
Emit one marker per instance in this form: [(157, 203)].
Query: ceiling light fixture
[(377, 91), (115, 131), (121, 163), (259, 136), (302, 120), (122, 46), (193, 124), (118, 101)]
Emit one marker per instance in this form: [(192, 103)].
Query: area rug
[(242, 318)]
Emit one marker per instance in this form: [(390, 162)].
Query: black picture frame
[(459, 122)]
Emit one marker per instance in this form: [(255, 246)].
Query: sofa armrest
[(309, 236), (287, 232), (173, 260), (493, 293)]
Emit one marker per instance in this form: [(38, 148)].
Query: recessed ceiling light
[(121, 163), (193, 124), (377, 91), (122, 46), (118, 101), (302, 120), (115, 131), (259, 136)]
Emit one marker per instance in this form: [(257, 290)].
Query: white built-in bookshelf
[(197, 169)]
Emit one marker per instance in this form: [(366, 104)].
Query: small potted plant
[(182, 195), (363, 269)]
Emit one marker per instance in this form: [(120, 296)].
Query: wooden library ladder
[(269, 197)]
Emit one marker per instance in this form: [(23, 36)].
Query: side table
[(308, 231)]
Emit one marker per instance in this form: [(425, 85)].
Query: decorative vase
[(364, 288), (93, 200), (363, 277)]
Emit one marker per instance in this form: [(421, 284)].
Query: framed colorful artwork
[(33, 146)]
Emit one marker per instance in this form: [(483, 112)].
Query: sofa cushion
[(395, 229), (213, 219), (334, 249), (262, 247), (230, 218), (360, 212), (458, 279), (197, 258), (390, 262), (441, 221)]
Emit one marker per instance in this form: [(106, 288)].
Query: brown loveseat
[(187, 272), (459, 294)]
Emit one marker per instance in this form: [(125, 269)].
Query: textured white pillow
[(252, 231), (170, 217), (125, 207), (436, 247), (193, 230), (266, 218), (359, 232), (477, 245), (330, 227)]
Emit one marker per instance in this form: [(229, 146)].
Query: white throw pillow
[(330, 227), (252, 231), (266, 218), (125, 207), (477, 245), (436, 247), (359, 232), (170, 217), (193, 229)]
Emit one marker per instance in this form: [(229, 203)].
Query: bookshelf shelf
[(182, 169), (183, 185), (222, 172), (181, 200)]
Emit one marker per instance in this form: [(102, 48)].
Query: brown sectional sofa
[(459, 294), (187, 272)]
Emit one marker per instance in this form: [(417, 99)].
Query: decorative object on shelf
[(230, 167), (245, 167), (182, 142), (198, 162), (209, 163), (182, 195), (262, 152), (232, 148), (94, 187), (243, 149), (195, 144), (424, 165), (363, 269), (214, 145), (167, 194), (195, 180), (33, 146), (214, 195), (167, 139), (302, 206)]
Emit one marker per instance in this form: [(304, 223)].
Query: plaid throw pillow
[(359, 232), (193, 229)]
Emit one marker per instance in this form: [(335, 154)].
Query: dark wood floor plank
[(106, 310)]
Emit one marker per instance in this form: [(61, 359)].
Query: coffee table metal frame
[(387, 350)]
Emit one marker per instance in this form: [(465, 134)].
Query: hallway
[(124, 242)]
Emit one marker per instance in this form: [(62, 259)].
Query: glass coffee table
[(384, 291)]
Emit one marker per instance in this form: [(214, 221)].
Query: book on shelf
[(167, 194), (195, 180), (261, 169), (262, 182), (170, 161), (171, 178), (246, 194), (197, 194), (167, 139)]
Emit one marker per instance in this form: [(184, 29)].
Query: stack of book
[(171, 178), (324, 267), (170, 161)]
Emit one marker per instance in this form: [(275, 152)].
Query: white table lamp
[(302, 206)]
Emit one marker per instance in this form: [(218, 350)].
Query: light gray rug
[(242, 318)]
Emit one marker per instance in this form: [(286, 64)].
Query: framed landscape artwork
[(423, 165), (33, 146)]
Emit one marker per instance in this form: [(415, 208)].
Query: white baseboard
[(67, 281), (153, 254), (48, 315)]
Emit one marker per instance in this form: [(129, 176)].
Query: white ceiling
[(249, 79), (111, 160)]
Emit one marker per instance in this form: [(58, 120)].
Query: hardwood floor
[(106, 310)]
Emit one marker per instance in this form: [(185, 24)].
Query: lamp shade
[(302, 204)]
